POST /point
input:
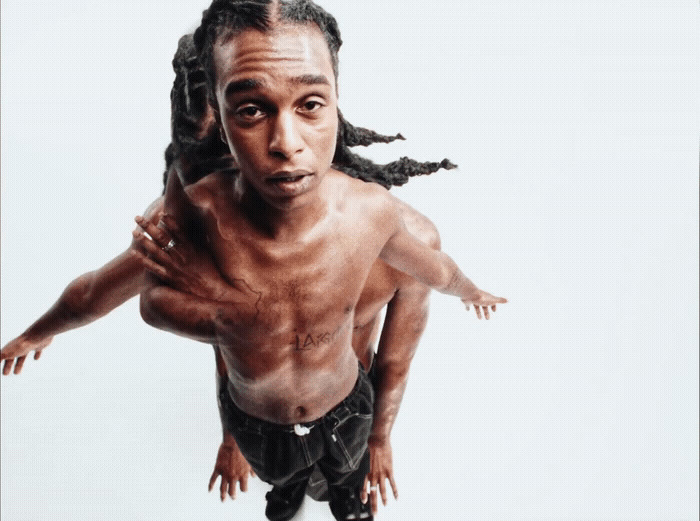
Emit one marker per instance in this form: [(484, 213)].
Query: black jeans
[(283, 455)]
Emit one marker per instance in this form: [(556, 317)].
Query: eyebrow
[(311, 79), (252, 83), (243, 85)]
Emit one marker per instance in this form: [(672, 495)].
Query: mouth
[(289, 182)]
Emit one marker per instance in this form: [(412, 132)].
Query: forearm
[(433, 268), (457, 284), (180, 313), (404, 324), (390, 389), (89, 297)]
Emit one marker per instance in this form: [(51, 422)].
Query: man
[(94, 294), (289, 243)]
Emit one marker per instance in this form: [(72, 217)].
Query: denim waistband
[(332, 417)]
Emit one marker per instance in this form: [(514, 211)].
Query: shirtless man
[(406, 302), (283, 235), (94, 294)]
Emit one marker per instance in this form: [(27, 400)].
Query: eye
[(312, 105), (248, 113)]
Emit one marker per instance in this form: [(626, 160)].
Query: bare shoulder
[(205, 192), (368, 199), (418, 224)]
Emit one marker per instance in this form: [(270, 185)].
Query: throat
[(286, 220)]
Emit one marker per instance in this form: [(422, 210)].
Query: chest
[(304, 285)]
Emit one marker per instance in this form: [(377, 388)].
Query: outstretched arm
[(87, 298), (435, 269)]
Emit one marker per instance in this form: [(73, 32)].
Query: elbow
[(433, 239), (147, 308), (447, 276), (394, 369), (77, 300)]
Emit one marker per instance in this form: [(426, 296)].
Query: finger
[(224, 489), (19, 363), (486, 313), (394, 488), (244, 483), (212, 481), (37, 354), (174, 234), (155, 251), (502, 300), (493, 308), (157, 234), (155, 268), (382, 490), (478, 311), (252, 472), (8, 366), (363, 492), (373, 498)]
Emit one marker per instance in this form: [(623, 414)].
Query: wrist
[(378, 439), (33, 337)]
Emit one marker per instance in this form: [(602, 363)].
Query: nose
[(285, 140)]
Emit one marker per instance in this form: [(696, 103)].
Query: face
[(277, 106)]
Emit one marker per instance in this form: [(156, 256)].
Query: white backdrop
[(575, 126)]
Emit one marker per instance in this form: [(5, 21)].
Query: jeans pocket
[(351, 436), (252, 445)]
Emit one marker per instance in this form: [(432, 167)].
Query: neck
[(284, 218)]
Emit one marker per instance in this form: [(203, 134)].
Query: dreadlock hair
[(226, 18), (188, 112)]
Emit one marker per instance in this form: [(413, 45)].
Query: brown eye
[(248, 113), (311, 106)]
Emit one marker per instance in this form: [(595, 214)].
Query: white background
[(575, 126)]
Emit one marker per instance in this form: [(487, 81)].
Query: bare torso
[(287, 344)]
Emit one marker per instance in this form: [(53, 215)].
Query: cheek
[(323, 141), (246, 144)]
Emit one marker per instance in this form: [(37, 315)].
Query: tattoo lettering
[(311, 340)]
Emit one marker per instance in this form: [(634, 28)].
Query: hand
[(482, 300), (381, 468), (171, 257), (16, 352), (232, 467)]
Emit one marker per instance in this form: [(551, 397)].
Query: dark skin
[(407, 312), (283, 236)]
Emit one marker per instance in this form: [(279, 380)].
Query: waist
[(335, 415)]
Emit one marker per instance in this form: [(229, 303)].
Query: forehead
[(283, 52)]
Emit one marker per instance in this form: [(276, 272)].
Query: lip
[(287, 174), (289, 182)]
